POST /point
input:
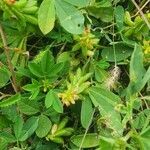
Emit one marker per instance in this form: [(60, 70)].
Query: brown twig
[(141, 13), (6, 51)]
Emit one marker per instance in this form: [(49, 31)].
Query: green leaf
[(46, 62), (34, 88), (49, 99), (100, 74), (136, 64), (104, 13), (4, 76), (91, 140), (107, 101), (136, 70), (70, 18), (11, 100), (55, 69), (140, 85), (64, 132), (121, 53), (47, 66), (144, 139), (28, 107), (44, 126), (57, 105), (79, 3), (24, 72), (34, 93), (31, 19), (7, 136), (3, 143), (107, 143), (139, 121), (4, 123), (40, 56), (63, 123), (35, 69), (31, 87), (103, 64), (127, 41), (54, 116), (104, 3), (29, 128), (18, 125), (10, 112), (119, 15), (46, 16), (86, 112), (63, 57)]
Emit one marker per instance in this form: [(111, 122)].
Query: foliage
[(74, 74)]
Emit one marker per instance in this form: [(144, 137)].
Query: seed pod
[(54, 129), (129, 32), (20, 4), (90, 53), (127, 19), (30, 10), (79, 73), (58, 140), (8, 10), (18, 14), (64, 132), (63, 123), (31, 19), (83, 86), (84, 78)]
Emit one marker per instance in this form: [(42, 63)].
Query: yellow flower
[(87, 41), (69, 97), (77, 84), (146, 50)]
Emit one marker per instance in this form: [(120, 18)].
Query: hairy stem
[(10, 66)]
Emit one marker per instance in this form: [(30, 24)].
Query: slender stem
[(104, 28), (113, 39), (142, 7), (6, 51), (62, 48), (87, 129), (142, 14), (144, 101), (128, 135), (142, 3), (4, 95)]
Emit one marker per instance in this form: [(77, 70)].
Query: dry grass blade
[(142, 14), (144, 5)]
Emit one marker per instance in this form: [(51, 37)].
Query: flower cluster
[(78, 83), (146, 50), (87, 42)]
